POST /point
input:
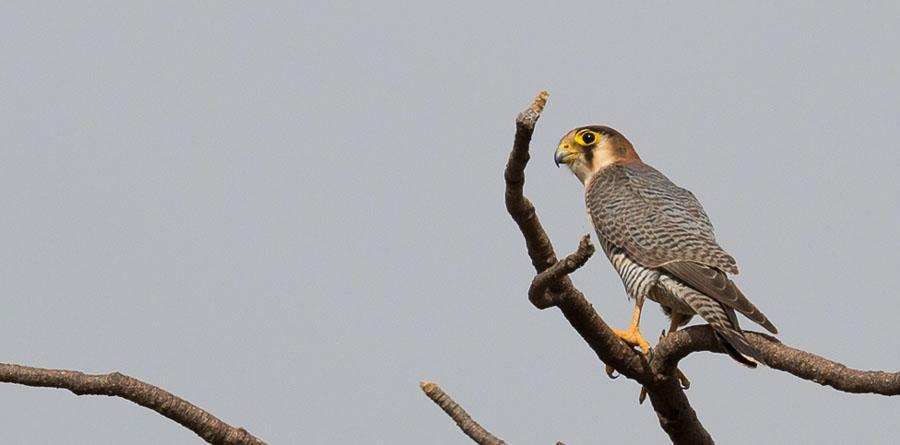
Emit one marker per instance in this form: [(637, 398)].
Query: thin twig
[(465, 422), (204, 424)]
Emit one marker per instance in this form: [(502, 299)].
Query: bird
[(660, 241)]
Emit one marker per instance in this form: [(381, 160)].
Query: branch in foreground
[(204, 424), (777, 355), (465, 422)]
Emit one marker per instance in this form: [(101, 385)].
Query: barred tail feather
[(722, 319)]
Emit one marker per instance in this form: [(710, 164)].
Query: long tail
[(737, 346), (723, 321)]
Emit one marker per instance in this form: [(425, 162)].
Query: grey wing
[(661, 225), (638, 209), (720, 317), (715, 283)]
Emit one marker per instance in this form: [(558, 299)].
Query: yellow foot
[(682, 379), (632, 337)]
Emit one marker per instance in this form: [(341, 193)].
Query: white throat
[(581, 170)]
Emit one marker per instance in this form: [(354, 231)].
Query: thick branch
[(202, 423), (777, 355), (465, 422), (676, 416)]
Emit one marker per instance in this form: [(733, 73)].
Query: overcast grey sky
[(290, 214)]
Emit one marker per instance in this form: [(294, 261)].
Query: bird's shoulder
[(639, 209)]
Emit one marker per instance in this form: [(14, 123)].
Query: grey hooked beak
[(562, 155)]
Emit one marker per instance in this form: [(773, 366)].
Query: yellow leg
[(676, 321), (632, 337)]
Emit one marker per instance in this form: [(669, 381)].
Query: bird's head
[(588, 149)]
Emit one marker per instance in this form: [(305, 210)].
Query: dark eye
[(587, 137)]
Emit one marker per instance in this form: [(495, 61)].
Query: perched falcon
[(659, 240)]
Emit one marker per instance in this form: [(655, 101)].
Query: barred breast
[(639, 281)]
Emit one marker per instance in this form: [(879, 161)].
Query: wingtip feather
[(738, 348)]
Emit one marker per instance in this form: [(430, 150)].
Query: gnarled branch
[(552, 287), (204, 424)]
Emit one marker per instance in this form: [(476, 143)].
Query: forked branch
[(538, 294)]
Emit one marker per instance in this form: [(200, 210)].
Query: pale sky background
[(290, 214)]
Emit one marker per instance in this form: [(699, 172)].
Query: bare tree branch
[(779, 356), (552, 287), (675, 414), (202, 423), (465, 422)]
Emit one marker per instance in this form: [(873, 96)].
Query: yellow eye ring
[(587, 137)]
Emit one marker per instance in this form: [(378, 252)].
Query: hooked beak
[(564, 154)]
